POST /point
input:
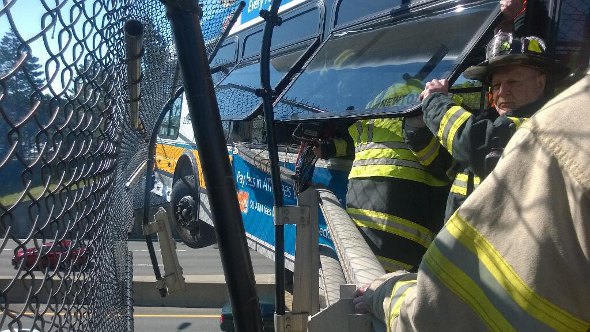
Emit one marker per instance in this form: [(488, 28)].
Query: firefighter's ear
[(541, 81)]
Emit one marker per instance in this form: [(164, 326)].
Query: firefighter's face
[(516, 86)]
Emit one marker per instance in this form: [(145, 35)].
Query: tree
[(20, 90), (27, 78)]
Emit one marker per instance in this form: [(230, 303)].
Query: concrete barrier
[(202, 291)]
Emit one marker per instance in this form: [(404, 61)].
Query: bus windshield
[(380, 70), (239, 87)]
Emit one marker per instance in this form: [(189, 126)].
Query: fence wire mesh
[(67, 150)]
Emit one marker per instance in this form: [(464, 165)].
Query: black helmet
[(507, 50)]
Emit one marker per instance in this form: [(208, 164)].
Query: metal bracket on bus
[(291, 322), (291, 214), (173, 279), (267, 15)]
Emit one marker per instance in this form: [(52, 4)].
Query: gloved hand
[(512, 8)]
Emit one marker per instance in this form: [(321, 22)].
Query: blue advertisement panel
[(254, 189), (253, 7), (256, 204)]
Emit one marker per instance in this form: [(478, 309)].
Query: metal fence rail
[(67, 150)]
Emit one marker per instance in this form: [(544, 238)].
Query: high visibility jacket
[(380, 150), (514, 257), (396, 203), (469, 138)]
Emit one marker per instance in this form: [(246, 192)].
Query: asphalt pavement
[(198, 307), (203, 274), (202, 271), (150, 319), (202, 261)]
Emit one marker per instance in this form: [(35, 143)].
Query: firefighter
[(517, 71), (397, 204), (514, 257)]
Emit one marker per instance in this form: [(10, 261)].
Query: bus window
[(470, 93), (252, 44), (226, 57), (350, 11), (304, 25), (171, 122), (236, 93), (226, 54), (381, 70), (294, 29)]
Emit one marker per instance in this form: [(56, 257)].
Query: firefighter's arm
[(464, 135), (512, 10), (426, 147), (384, 296), (446, 120), (332, 147), (336, 143)]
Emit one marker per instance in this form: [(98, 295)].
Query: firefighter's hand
[(360, 306), (435, 86), (511, 8)]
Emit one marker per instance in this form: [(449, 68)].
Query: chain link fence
[(67, 150)]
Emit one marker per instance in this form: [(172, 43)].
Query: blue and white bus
[(329, 60)]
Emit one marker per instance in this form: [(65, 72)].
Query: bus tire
[(184, 204)]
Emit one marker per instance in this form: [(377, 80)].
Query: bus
[(329, 60)]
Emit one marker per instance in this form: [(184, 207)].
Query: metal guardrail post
[(306, 280), (218, 176), (134, 31), (173, 280)]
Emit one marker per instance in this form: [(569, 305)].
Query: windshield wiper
[(302, 106), (430, 65)]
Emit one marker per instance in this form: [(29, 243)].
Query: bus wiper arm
[(301, 105), (236, 86), (430, 65)]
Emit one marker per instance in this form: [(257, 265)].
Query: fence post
[(208, 131)]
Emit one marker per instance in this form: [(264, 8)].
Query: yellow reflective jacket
[(380, 150), (514, 257)]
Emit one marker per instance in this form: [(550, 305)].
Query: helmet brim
[(483, 71)]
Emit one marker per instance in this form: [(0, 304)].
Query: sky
[(30, 16), (26, 15), (28, 20)]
